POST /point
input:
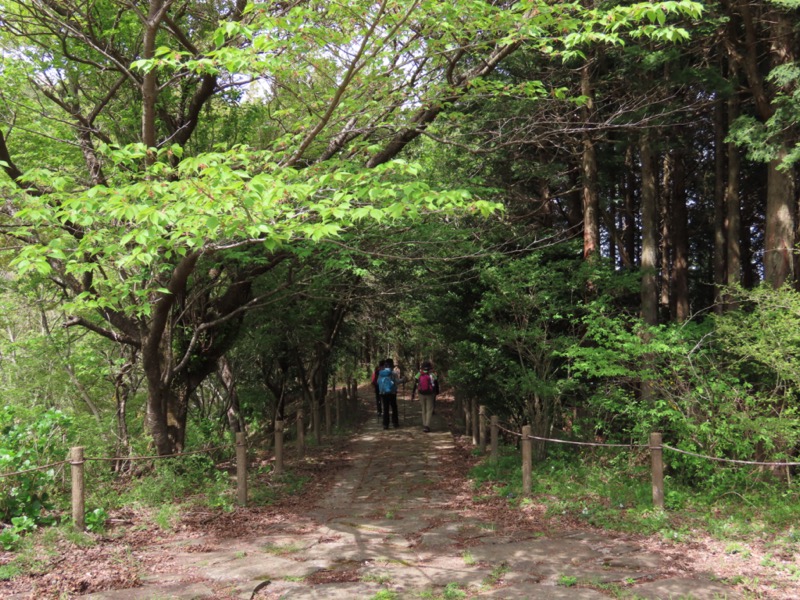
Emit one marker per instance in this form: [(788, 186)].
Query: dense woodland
[(584, 213)]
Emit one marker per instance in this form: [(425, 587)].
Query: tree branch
[(106, 333)]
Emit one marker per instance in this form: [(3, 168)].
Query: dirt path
[(392, 523)]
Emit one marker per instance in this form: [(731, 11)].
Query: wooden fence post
[(527, 460), (78, 488), (278, 447), (241, 469), (657, 462), (468, 416), (493, 437), (482, 427), (301, 434)]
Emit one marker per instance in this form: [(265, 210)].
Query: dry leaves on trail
[(134, 546), (78, 571)]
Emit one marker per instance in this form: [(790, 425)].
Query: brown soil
[(134, 549)]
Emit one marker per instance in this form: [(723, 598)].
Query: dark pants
[(378, 401), (390, 402)]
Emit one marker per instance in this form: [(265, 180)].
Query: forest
[(584, 213)]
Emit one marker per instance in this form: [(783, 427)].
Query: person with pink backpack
[(426, 382)]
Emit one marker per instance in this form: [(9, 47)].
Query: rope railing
[(158, 456), (734, 461), (594, 444), (34, 469), (756, 463), (479, 417), (345, 398), (574, 442)]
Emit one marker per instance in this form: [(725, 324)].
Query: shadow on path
[(386, 530)]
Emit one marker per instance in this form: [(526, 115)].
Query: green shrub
[(30, 438), (96, 520)]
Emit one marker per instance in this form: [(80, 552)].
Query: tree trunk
[(149, 80), (166, 417), (613, 234), (591, 203), (232, 409), (679, 306), (649, 285), (779, 234), (720, 257), (733, 273), (121, 393), (629, 233), (665, 212), (649, 265)]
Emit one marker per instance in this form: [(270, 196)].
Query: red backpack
[(426, 383)]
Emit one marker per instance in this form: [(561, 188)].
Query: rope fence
[(334, 406), (482, 426)]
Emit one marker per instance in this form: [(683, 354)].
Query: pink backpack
[(426, 385)]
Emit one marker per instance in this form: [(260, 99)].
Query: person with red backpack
[(426, 383)]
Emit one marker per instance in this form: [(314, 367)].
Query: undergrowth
[(614, 492)]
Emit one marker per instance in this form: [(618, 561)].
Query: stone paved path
[(385, 527)]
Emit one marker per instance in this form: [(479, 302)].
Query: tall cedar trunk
[(779, 216), (629, 229), (665, 241), (590, 204), (733, 274), (613, 234), (781, 182), (779, 235), (720, 257), (679, 306), (649, 286)]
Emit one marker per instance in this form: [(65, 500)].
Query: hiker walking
[(388, 378), (427, 384), (378, 401)]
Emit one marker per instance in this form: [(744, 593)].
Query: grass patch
[(167, 517), (452, 591), (77, 538), (9, 571), (283, 549), (613, 491), (497, 574), (380, 579), (567, 580)]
